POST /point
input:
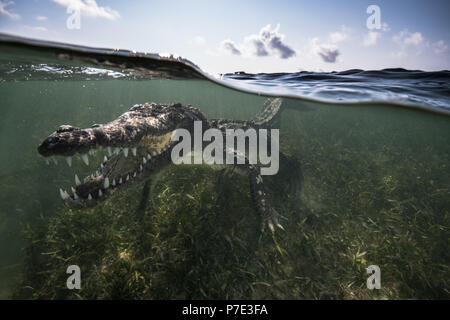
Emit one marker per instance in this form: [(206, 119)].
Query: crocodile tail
[(270, 113)]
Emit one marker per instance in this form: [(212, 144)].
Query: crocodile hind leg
[(269, 216)]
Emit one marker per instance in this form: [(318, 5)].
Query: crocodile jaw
[(126, 131), (134, 144), (120, 167)]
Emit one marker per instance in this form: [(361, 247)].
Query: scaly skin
[(138, 143)]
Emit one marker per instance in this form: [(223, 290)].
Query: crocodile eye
[(52, 140)]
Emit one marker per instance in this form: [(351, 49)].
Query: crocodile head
[(135, 145)]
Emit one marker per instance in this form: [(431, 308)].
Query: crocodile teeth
[(134, 175), (109, 151), (144, 161), (105, 159), (73, 189), (149, 156), (47, 162), (125, 152), (134, 151), (85, 158), (116, 150), (113, 183), (91, 152), (89, 197), (64, 195), (140, 167), (75, 196), (120, 181), (100, 193), (69, 161), (54, 160), (128, 177), (77, 180), (106, 183), (154, 153)]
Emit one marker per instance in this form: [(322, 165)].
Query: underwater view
[(87, 180)]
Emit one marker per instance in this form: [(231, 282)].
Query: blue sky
[(254, 36)]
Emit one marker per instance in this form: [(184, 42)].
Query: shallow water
[(375, 190)]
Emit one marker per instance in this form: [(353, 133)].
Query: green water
[(376, 191)]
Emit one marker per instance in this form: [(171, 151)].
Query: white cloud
[(371, 38), (89, 8), (255, 46), (407, 38), (41, 18), (440, 47), (327, 52), (409, 43), (339, 36), (230, 46), (274, 41), (6, 12), (197, 40), (268, 42), (415, 39)]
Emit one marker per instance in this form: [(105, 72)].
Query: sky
[(246, 35)]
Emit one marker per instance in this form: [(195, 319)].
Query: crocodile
[(138, 144)]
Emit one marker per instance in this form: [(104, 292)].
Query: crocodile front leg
[(269, 216)]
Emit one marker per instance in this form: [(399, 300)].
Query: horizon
[(271, 37)]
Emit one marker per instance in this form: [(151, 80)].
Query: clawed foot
[(271, 219)]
